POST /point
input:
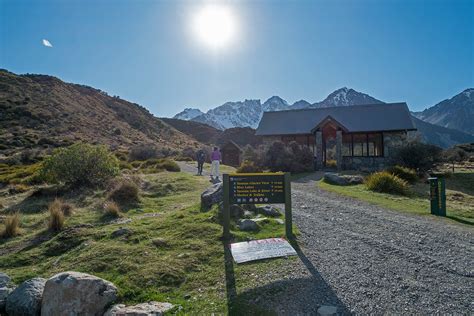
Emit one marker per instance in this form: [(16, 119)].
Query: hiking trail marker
[(258, 188)]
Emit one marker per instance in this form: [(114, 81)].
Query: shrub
[(111, 209), (80, 164), (407, 174), (331, 163), (12, 226), (64, 207), (56, 217), (124, 192), (143, 152), (386, 182), (418, 156), (188, 152), (248, 166), (168, 165), (293, 158)]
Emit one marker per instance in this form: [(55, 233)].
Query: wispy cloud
[(47, 43)]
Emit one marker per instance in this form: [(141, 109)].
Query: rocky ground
[(367, 260)]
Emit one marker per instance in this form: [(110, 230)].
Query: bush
[(143, 152), (12, 226), (124, 192), (386, 182), (80, 164), (248, 166), (292, 158), (64, 207), (56, 217), (188, 152), (418, 156), (111, 209), (407, 174)]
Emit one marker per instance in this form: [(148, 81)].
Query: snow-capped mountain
[(345, 97), (188, 114), (249, 112), (456, 113)]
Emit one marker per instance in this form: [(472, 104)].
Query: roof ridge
[(333, 107)]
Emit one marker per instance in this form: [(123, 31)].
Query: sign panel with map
[(257, 188)]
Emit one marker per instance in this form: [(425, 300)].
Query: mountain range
[(445, 124)]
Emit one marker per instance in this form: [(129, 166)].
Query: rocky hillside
[(455, 113), (37, 111), (441, 136), (346, 97)]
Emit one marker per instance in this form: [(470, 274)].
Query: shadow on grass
[(460, 220), (299, 296)]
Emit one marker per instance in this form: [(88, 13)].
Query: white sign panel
[(261, 249)]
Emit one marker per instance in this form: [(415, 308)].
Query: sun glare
[(215, 26)]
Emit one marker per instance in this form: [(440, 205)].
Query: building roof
[(355, 118)]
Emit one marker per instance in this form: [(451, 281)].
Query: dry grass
[(56, 216), (12, 226), (124, 193), (111, 209), (66, 208)]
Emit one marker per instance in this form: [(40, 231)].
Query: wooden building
[(231, 154), (354, 137)]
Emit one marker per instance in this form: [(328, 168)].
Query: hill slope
[(456, 113), (38, 111)]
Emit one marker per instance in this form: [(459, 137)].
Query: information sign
[(256, 188), (261, 249)]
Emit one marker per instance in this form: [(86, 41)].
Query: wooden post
[(226, 207), (288, 214)]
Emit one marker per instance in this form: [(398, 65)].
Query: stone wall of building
[(392, 141)]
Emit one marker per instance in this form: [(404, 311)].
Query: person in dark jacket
[(200, 158)]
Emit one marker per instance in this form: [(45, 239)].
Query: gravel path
[(375, 261)]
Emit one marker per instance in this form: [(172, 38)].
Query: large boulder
[(75, 293), (143, 309), (26, 298), (6, 287), (212, 195), (336, 179), (248, 225), (269, 210)]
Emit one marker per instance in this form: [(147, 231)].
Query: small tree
[(454, 155), (418, 156), (80, 164)]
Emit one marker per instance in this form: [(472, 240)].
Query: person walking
[(215, 161), (200, 158)]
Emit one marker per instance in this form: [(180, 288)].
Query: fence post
[(288, 213), (226, 207), (434, 195), (442, 196)]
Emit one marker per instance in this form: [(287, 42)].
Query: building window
[(362, 145), (359, 143), (375, 141)]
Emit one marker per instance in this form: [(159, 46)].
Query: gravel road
[(371, 260)]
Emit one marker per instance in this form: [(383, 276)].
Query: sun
[(215, 26)]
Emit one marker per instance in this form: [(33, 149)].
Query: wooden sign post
[(257, 188)]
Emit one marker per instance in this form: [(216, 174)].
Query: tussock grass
[(111, 209), (12, 226), (125, 192), (56, 216), (407, 174), (386, 182)]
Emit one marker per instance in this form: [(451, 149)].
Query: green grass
[(460, 206), (190, 261)]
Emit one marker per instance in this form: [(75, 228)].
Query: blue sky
[(416, 51)]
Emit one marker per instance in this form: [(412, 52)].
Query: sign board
[(261, 249), (254, 188)]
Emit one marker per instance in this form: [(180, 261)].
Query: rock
[(26, 298), (336, 179), (78, 294), (212, 195), (269, 210), (327, 310), (6, 287), (121, 232), (248, 214), (160, 243), (4, 279), (143, 309), (248, 225), (280, 221)]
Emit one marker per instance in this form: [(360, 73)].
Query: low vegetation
[(56, 217), (386, 182), (80, 165), (248, 166), (419, 156), (111, 209), (404, 173), (124, 192), (12, 226)]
